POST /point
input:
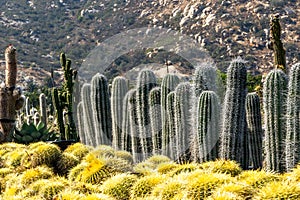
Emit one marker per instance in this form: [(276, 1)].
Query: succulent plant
[(274, 101), (292, 149), (233, 144), (118, 92), (65, 163)]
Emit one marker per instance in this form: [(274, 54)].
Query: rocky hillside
[(41, 29)]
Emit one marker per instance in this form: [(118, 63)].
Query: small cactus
[(43, 108)]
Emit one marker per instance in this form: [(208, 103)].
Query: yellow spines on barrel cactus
[(65, 163)]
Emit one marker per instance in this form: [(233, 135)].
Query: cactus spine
[(88, 115), (134, 128), (146, 81), (208, 122), (43, 109), (292, 150), (11, 97), (118, 91), (101, 109), (234, 116), (184, 101), (254, 130), (155, 119), (274, 99), (169, 138), (169, 83)]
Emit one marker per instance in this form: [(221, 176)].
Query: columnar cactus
[(80, 124), (168, 84), (169, 137), (145, 82), (232, 138), (11, 98), (43, 109), (208, 122), (254, 129), (292, 150), (155, 119), (205, 78), (274, 101), (101, 109), (136, 145), (118, 92), (125, 136), (58, 104), (88, 120), (184, 101)]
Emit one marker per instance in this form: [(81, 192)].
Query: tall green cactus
[(80, 124), (168, 84), (208, 125), (292, 150), (136, 145), (205, 78), (118, 92), (43, 108), (88, 120), (184, 101), (233, 132), (254, 129), (145, 82), (155, 119), (59, 107), (274, 101), (101, 109), (169, 136), (125, 136)]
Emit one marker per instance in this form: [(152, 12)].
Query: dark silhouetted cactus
[(208, 126), (100, 104), (155, 119), (184, 101), (88, 121), (58, 104), (145, 82), (169, 137), (118, 92), (168, 84), (274, 101), (11, 98), (254, 130), (136, 146), (233, 131), (292, 151)]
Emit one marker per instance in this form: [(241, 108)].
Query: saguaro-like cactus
[(146, 81), (155, 119), (168, 84), (80, 124), (88, 120), (169, 137), (208, 123), (184, 101), (118, 92), (136, 145), (125, 136), (205, 78), (233, 130), (254, 130), (101, 109), (11, 98), (274, 101), (292, 151), (43, 109)]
